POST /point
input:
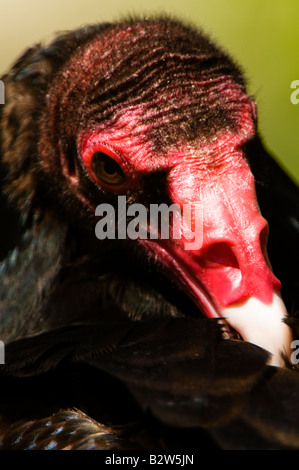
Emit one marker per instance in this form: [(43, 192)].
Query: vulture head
[(143, 197)]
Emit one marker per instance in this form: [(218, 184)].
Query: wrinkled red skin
[(232, 264)]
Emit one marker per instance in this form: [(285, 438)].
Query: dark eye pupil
[(107, 169), (110, 166)]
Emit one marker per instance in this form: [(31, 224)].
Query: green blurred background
[(262, 35)]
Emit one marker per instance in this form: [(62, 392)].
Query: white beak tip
[(264, 326)]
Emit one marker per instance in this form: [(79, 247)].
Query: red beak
[(229, 267)]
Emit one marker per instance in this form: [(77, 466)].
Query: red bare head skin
[(157, 96), (231, 263)]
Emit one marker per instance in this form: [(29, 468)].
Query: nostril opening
[(264, 234), (221, 254)]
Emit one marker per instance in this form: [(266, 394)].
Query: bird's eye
[(107, 169)]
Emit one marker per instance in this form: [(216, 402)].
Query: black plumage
[(99, 342)]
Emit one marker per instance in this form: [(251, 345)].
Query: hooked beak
[(228, 274)]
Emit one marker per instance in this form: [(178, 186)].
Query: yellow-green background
[(263, 35)]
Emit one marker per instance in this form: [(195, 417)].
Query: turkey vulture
[(137, 342)]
